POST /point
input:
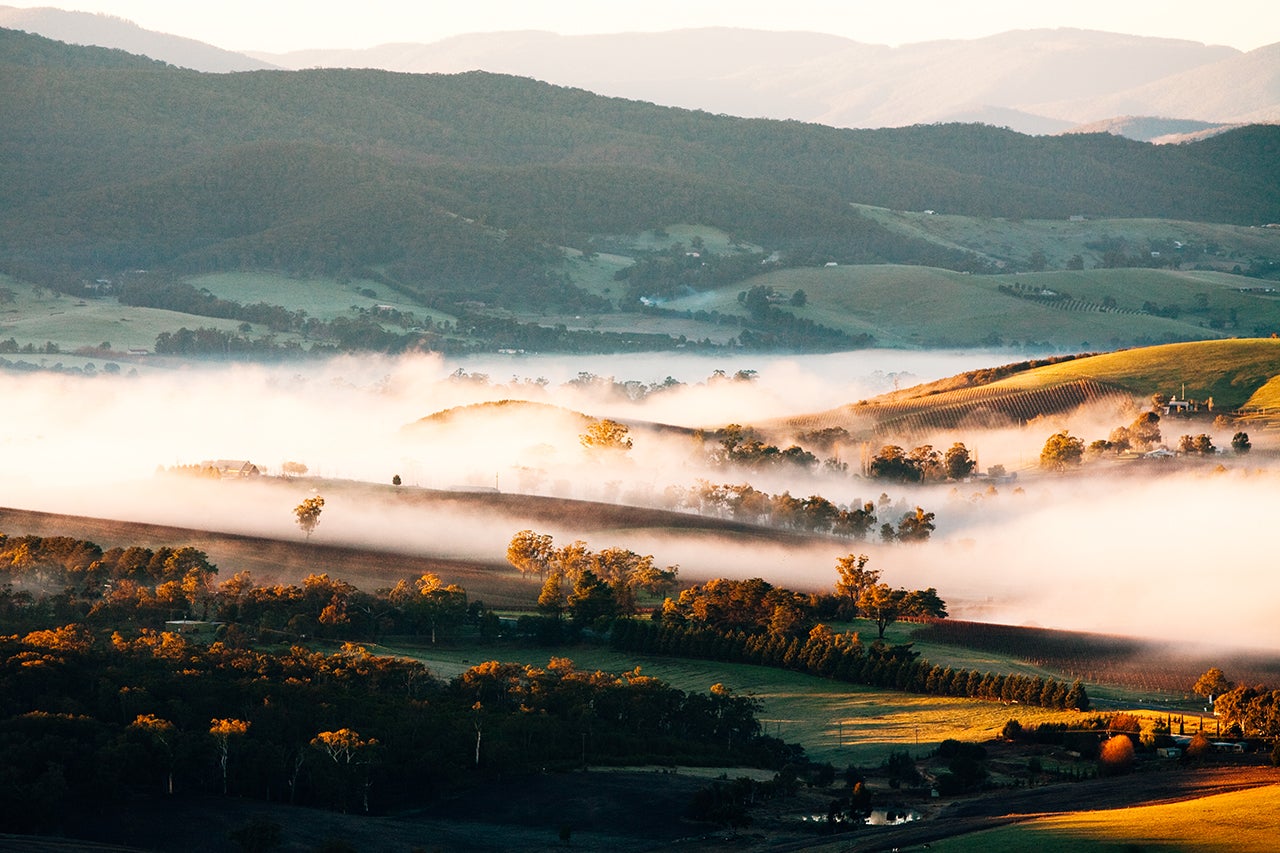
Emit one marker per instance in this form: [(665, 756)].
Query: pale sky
[(282, 25)]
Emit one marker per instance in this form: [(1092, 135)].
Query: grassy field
[(324, 298), (1238, 822), (37, 316), (922, 307), (1266, 397), (1014, 240), (840, 723)]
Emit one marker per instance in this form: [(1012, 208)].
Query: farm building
[(194, 629), (231, 469)]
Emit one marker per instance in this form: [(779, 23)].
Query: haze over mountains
[(1032, 81), (109, 31)]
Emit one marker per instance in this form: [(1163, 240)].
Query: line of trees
[(814, 514), (842, 657), (587, 586)]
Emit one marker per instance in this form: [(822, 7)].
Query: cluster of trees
[(755, 605), (922, 464), (588, 586), (88, 720), (681, 269), (208, 341), (740, 446), (769, 325), (1252, 711), (61, 579), (1062, 450), (814, 514)]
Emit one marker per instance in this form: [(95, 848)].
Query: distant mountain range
[(469, 182), (1032, 81), (108, 31)]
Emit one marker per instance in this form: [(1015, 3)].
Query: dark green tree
[(591, 599), (957, 462)]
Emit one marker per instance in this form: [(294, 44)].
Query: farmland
[(1234, 822), (1090, 309)]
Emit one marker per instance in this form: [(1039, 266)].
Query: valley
[(458, 461)]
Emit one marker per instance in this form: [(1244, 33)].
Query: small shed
[(193, 629)]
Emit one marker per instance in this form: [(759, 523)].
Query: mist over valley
[(1109, 551), (462, 460)]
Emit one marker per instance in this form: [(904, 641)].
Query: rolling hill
[(1224, 374), (913, 306)]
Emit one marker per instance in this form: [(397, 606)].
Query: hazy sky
[(280, 25)]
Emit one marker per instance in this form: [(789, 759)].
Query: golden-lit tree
[(1211, 684), (223, 731), (606, 436), (1061, 451), (1116, 754), (162, 732), (351, 756), (853, 578), (307, 514), (530, 552)]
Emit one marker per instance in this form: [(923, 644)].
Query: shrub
[(1116, 755)]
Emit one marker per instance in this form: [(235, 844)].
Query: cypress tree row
[(840, 657)]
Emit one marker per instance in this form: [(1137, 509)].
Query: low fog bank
[(782, 386), (1174, 552), (344, 418), (1181, 556)]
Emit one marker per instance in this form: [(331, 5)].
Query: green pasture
[(323, 298), (37, 315), (915, 306), (1237, 822), (1228, 371), (594, 273), (713, 239), (840, 723), (1014, 240)]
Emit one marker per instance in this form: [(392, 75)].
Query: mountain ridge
[(1035, 81), (100, 30), (819, 78)]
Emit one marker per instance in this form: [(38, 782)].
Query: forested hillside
[(464, 186)]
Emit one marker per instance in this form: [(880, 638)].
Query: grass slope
[(915, 306), (1237, 822), (840, 723), (1228, 371), (1014, 241), (323, 298), (36, 315)]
